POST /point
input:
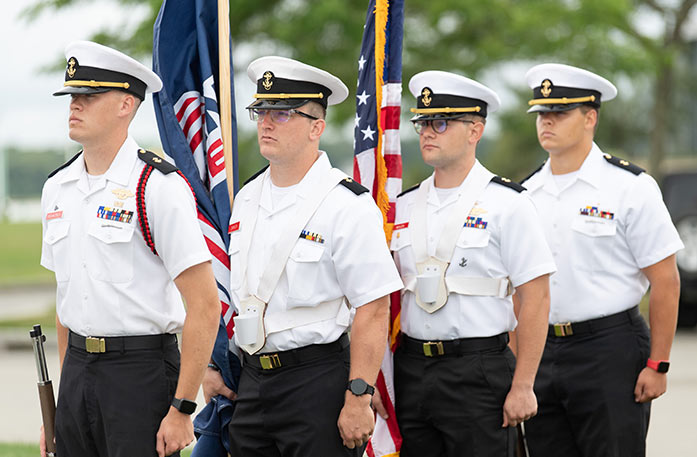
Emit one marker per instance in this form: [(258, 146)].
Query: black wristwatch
[(359, 387), (184, 406)]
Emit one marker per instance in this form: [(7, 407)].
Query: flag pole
[(225, 92)]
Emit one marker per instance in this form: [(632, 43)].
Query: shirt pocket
[(594, 238), (470, 248), (473, 238), (400, 239), (302, 270), (111, 258), (56, 237), (235, 262)]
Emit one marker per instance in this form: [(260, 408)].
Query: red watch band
[(656, 365)]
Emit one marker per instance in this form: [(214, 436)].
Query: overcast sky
[(29, 115)]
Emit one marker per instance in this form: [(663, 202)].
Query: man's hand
[(213, 385), (520, 405), (176, 432), (378, 406), (356, 420), (649, 385), (42, 442)]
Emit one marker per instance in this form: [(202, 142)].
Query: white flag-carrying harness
[(495, 287), (256, 304)]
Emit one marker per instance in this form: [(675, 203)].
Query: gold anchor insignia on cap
[(71, 67), (267, 83), (426, 96), (546, 89)]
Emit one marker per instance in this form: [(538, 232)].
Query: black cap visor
[(433, 116), (69, 90), (556, 107), (278, 104)]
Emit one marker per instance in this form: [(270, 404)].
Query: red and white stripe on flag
[(364, 165), (206, 145)]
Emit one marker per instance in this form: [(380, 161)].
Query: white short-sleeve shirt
[(603, 228), (506, 242), (109, 283), (346, 255)]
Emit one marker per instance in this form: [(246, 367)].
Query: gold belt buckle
[(95, 345), (428, 348), (564, 329), (269, 362)]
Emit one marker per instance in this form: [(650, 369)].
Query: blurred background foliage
[(647, 47)]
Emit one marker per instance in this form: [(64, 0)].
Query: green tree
[(478, 38)]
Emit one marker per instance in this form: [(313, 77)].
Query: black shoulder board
[(533, 173), (255, 175), (508, 183), (72, 159), (156, 161), (355, 187), (408, 190), (616, 161)]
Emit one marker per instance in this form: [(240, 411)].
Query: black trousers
[(291, 411), (453, 405), (111, 404), (585, 394)]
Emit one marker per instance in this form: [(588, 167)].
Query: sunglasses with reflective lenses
[(438, 125), (280, 116)]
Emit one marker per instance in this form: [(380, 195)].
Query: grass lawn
[(20, 253), (32, 450)]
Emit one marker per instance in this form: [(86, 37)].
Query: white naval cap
[(284, 83), (93, 68), (559, 87), (441, 94)]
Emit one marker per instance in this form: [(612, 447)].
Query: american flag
[(185, 56), (378, 165)]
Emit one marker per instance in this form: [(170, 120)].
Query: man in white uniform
[(307, 252), (611, 237), (123, 248), (472, 238)]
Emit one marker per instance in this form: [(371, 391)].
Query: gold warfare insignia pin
[(72, 63), (426, 96), (122, 194), (477, 211), (267, 82), (546, 89)]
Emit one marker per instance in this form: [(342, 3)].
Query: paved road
[(672, 432)]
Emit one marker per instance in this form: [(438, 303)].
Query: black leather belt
[(297, 356), (565, 329), (453, 347), (96, 345)]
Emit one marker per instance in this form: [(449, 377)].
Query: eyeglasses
[(277, 115), (438, 125)]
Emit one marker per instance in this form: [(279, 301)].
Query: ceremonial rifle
[(48, 403)]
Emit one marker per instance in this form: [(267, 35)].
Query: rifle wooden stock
[(48, 414), (46, 399)]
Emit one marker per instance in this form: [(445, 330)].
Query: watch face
[(184, 406), (663, 367), (358, 386)]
